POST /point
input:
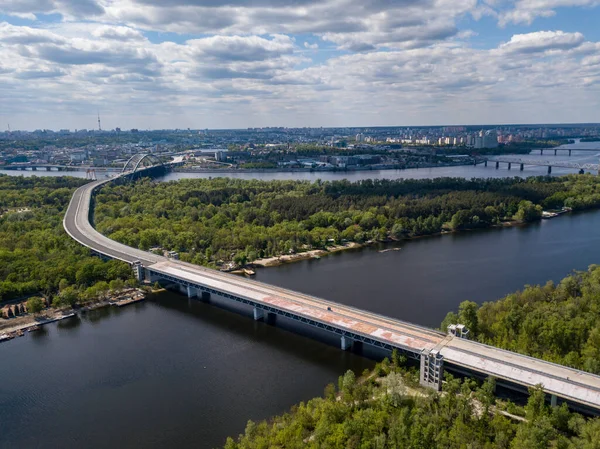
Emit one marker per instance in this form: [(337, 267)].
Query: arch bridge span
[(435, 350), (141, 161)]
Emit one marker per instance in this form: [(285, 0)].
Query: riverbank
[(18, 325), (318, 169), (283, 259), (388, 408), (297, 257)]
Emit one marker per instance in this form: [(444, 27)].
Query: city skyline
[(237, 64)]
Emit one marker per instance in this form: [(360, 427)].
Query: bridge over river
[(435, 350), (522, 162)]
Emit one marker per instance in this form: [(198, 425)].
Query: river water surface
[(173, 373)]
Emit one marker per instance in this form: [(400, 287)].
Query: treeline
[(36, 255), (387, 411), (209, 221), (558, 323)]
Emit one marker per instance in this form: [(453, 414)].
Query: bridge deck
[(572, 384), (394, 332), (577, 386)]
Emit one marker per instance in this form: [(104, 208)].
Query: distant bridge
[(435, 350), (557, 149), (521, 162), (55, 167)]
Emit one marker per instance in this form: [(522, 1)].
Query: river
[(173, 373), (463, 171)]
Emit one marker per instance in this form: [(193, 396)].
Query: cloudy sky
[(247, 63)]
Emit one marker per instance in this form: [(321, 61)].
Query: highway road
[(575, 386)]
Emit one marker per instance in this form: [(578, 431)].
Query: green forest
[(36, 254), (210, 221), (386, 409), (558, 323)]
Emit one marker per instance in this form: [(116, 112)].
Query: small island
[(231, 224)]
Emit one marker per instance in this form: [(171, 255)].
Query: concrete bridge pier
[(432, 369), (522, 167), (259, 314), (549, 169), (497, 165), (569, 152), (191, 292), (553, 400), (345, 343), (139, 272), (485, 163), (509, 165), (542, 152)]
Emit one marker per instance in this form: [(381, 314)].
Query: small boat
[(5, 337), (547, 215), (19, 333)]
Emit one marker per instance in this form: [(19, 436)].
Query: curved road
[(575, 386)]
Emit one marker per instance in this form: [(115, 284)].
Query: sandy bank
[(313, 254)]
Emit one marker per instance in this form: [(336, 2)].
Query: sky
[(157, 64)]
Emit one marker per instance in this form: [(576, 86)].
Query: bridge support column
[(485, 164), (259, 314), (553, 400), (191, 292), (138, 271), (432, 369), (555, 151), (345, 343), (542, 152), (509, 165), (497, 165), (569, 152), (522, 167), (549, 169)]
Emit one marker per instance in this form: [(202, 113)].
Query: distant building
[(490, 139), (78, 156), (487, 139)]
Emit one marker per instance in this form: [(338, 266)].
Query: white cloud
[(119, 33), (541, 41), (526, 11), (70, 8), (380, 62)]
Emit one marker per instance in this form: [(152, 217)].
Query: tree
[(116, 285), (528, 212), (67, 297), (467, 315), (460, 219), (35, 305), (63, 284)]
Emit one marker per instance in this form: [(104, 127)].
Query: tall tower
[(99, 127)]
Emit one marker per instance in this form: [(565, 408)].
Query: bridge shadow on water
[(274, 331), (304, 341)]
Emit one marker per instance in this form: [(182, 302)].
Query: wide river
[(173, 373)]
